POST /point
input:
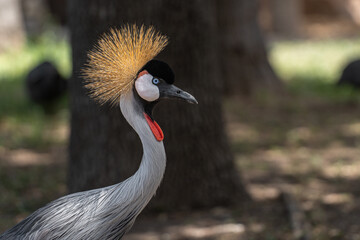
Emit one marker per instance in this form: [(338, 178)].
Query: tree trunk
[(245, 67), (35, 16), (11, 28), (353, 8), (105, 150), (286, 17)]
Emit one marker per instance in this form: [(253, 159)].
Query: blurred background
[(289, 97)]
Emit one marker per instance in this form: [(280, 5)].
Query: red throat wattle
[(155, 128)]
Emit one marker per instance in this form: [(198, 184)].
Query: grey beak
[(171, 91)]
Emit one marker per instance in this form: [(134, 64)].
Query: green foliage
[(313, 67), (17, 62)]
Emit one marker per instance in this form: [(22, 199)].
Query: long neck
[(149, 175)]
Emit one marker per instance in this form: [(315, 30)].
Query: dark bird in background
[(351, 75), (44, 85)]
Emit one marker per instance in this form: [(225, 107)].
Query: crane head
[(123, 60), (155, 82), (114, 63)]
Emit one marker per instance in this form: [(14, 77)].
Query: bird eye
[(155, 81)]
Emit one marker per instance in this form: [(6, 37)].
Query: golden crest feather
[(115, 61)]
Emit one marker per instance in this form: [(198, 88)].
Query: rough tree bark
[(245, 67), (104, 150)]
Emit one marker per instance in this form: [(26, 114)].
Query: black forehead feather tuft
[(160, 69)]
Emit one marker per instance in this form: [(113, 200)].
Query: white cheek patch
[(146, 89)]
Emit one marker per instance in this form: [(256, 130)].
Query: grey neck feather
[(149, 175), (104, 213)]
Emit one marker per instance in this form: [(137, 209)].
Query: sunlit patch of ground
[(215, 224), (26, 157)]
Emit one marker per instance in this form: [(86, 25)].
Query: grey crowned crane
[(121, 70)]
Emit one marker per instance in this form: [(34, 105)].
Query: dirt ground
[(306, 147), (309, 147)]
